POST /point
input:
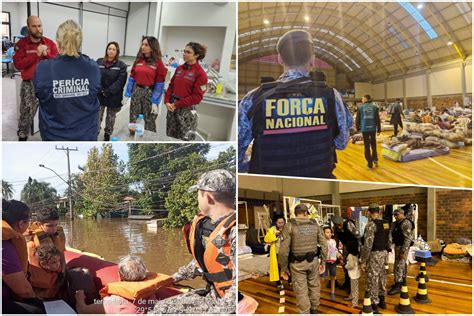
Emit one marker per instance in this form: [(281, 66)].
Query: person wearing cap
[(303, 244), (346, 232), (373, 256), (296, 123), (401, 234), (213, 245)]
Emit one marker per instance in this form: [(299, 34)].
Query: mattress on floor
[(387, 127), (395, 152), (450, 144), (421, 153)]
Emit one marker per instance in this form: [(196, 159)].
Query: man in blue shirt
[(296, 123)]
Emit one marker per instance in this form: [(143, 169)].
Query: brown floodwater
[(163, 250)]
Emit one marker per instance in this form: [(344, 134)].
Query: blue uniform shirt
[(344, 119), (67, 89)]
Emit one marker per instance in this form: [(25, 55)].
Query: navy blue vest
[(294, 126)]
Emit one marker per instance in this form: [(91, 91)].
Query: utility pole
[(67, 150)]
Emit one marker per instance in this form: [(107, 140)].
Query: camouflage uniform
[(181, 122), (141, 104), (193, 302), (202, 301), (28, 107), (305, 275), (109, 118), (374, 261), (400, 266)]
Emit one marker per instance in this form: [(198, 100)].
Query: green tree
[(153, 168), (101, 187), (7, 190), (38, 194), (182, 205)]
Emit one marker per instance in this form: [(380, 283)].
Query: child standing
[(352, 267), (331, 260)]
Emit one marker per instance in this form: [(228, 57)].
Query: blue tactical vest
[(294, 126), (367, 120)]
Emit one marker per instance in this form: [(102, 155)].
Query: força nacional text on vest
[(307, 113), (69, 88)]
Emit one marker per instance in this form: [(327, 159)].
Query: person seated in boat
[(135, 293), (46, 230), (46, 276), (18, 296)]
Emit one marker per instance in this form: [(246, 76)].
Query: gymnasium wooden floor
[(449, 289), (451, 170)]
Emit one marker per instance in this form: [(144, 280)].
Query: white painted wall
[(17, 15), (378, 91), (446, 81), (52, 16), (416, 86), (136, 27), (362, 88), (468, 70), (176, 37), (395, 89)]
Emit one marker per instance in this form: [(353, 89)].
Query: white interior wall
[(395, 89), (212, 14), (52, 16), (468, 73), (17, 17), (136, 26), (362, 88), (416, 86), (175, 38), (446, 81), (378, 91), (304, 187)]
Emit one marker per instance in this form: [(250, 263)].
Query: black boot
[(106, 137), (22, 139), (382, 302), (375, 309), (396, 288)]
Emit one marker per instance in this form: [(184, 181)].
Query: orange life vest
[(38, 236), (132, 290), (18, 241), (39, 278), (217, 261)]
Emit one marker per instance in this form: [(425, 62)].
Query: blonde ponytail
[(69, 38)]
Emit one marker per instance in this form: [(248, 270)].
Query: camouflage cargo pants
[(182, 123), (193, 303), (376, 278), (306, 284), (400, 266), (28, 107), (109, 118), (141, 104)]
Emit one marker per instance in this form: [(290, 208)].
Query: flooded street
[(163, 250)]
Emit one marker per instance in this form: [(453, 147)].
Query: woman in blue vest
[(67, 88), (114, 75)]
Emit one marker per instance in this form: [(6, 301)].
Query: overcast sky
[(20, 160)]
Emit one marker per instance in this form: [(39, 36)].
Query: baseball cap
[(218, 180)]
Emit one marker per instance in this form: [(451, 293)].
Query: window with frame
[(6, 25)]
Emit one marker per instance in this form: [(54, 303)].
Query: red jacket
[(25, 58), (147, 75), (189, 83)]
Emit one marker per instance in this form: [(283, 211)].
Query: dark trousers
[(395, 127), (26, 306), (370, 143)]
